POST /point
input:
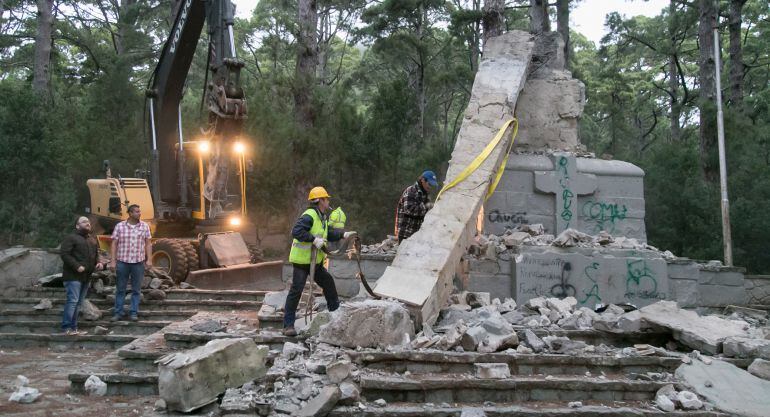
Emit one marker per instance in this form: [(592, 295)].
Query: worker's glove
[(348, 234), (319, 242), (428, 205)]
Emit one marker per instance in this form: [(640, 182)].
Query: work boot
[(134, 317), (289, 331)]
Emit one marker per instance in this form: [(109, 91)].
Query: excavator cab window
[(114, 205)]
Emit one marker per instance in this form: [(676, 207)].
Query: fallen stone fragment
[(208, 326), (492, 370), (760, 368), (21, 381), (98, 287), (664, 403), (99, 330), (50, 280), (744, 347), (689, 400), (95, 386), (237, 400), (516, 239), (155, 283), (478, 299), (507, 306), (704, 333), (380, 403), (370, 323), (291, 350), (536, 303), (473, 337), (160, 405), (727, 387), (668, 391), (563, 345), (186, 286), (44, 304), (630, 322), (154, 294), (276, 299), (339, 371), (571, 237), (472, 412), (575, 404), (25, 395), (89, 311), (349, 393), (319, 320), (562, 306), (530, 339), (191, 379)]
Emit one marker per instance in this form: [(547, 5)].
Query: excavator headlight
[(239, 147), (204, 146), (235, 221)]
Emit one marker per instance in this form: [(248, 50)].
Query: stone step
[(598, 337), (62, 341), (433, 361), (624, 409), (26, 304), (55, 313), (171, 294), (188, 340), (119, 379), (451, 388), (54, 326)]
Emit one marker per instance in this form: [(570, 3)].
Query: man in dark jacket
[(80, 256), (413, 205)]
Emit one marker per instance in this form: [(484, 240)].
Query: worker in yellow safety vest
[(337, 219), (311, 229)]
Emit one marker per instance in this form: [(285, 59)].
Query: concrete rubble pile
[(502, 246), (389, 246)]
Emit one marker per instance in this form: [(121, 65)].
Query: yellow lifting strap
[(483, 157)]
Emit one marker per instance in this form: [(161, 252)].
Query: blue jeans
[(76, 293), (123, 271)]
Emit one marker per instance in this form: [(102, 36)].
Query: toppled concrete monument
[(191, 379), (370, 323), (727, 387), (425, 265), (702, 333)]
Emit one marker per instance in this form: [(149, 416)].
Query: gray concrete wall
[(616, 205), (757, 289), (345, 270), (21, 267)]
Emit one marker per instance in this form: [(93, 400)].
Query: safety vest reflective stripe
[(300, 251)]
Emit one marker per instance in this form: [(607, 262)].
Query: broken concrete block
[(155, 283), (563, 345), (507, 306), (664, 403), (760, 368), (472, 412), (209, 326), (191, 379), (536, 303), (744, 347), (668, 391), (370, 323), (291, 350), (516, 239), (492, 370), (339, 371), (25, 395), (563, 307), (99, 330), (630, 322), (478, 299), (276, 299), (496, 343), (689, 401), (473, 337), (575, 404), (727, 387), (380, 403), (322, 403), (89, 311), (349, 393), (319, 320), (156, 294), (704, 333), (44, 304), (530, 339), (453, 336), (95, 386)]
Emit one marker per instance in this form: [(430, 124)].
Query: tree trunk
[(562, 26), (126, 21), (708, 127), (307, 60), (539, 21), (41, 80), (493, 20), (737, 66), (673, 77)]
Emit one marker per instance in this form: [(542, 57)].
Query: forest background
[(362, 95)]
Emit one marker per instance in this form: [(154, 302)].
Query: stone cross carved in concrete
[(567, 184)]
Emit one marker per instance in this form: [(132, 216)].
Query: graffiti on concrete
[(566, 194), (603, 215), (520, 217), (590, 273), (564, 289), (641, 282)]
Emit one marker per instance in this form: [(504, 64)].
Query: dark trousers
[(299, 277)]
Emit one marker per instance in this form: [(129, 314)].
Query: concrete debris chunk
[(380, 403), (562, 306), (492, 370), (156, 283), (760, 368), (21, 381), (536, 303), (191, 379), (571, 237), (704, 333), (99, 330), (473, 337), (160, 405), (349, 393), (339, 371), (44, 304), (472, 412), (530, 339), (664, 403), (156, 294), (516, 239), (727, 387), (292, 350), (322, 403), (25, 395), (575, 404), (536, 229), (208, 326), (95, 386), (689, 400), (478, 299), (89, 311), (370, 323), (744, 347), (564, 345)]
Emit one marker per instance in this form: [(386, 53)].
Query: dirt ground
[(47, 371)]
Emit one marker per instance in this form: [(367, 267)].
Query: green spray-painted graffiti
[(641, 281), (603, 215), (589, 272), (566, 194)]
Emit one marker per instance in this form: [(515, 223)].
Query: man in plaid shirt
[(413, 205), (130, 252)]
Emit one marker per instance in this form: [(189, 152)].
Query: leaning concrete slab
[(729, 388), (189, 380), (425, 264)]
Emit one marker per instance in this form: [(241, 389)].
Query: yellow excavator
[(194, 200)]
